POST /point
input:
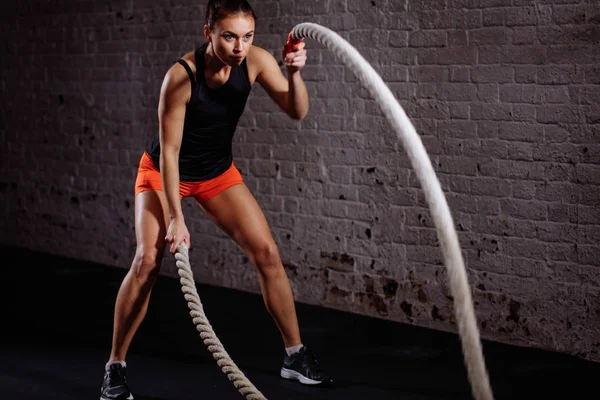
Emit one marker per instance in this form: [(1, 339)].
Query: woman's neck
[(212, 63)]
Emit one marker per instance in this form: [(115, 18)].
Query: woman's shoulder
[(258, 56), (177, 74), (190, 59), (260, 60)]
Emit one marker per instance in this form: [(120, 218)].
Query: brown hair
[(219, 9)]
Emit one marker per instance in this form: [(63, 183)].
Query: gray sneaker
[(115, 386), (304, 367)]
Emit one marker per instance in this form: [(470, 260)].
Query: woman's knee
[(146, 263), (266, 257)]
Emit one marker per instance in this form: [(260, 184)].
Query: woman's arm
[(174, 95), (289, 94)]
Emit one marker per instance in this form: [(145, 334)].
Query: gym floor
[(57, 326)]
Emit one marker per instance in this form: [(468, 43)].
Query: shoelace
[(309, 360), (116, 376)]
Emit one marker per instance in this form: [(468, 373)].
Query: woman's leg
[(134, 293), (236, 211)]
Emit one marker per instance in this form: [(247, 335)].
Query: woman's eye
[(228, 37)]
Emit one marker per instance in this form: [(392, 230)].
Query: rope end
[(291, 44)]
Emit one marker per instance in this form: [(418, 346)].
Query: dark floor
[(57, 321)]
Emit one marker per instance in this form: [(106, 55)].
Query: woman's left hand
[(295, 60)]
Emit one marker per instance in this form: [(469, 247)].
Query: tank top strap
[(188, 69), (190, 74)]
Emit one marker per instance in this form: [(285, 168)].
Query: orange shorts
[(148, 178)]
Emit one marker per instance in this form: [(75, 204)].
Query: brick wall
[(505, 96)]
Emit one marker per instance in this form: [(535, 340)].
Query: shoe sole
[(129, 398), (295, 375)]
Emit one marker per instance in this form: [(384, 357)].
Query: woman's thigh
[(238, 213), (151, 219)]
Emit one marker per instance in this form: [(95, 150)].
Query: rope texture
[(459, 285), (214, 345)]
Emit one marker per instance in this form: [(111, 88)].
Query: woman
[(202, 98)]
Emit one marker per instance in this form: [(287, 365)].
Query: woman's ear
[(207, 32)]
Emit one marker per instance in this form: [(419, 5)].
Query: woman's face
[(231, 37)]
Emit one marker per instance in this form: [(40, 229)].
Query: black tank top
[(211, 117)]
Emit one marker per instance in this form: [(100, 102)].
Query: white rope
[(237, 377), (459, 285), (436, 200)]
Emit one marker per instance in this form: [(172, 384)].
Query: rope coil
[(459, 285)]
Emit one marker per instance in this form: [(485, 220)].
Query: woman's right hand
[(177, 233)]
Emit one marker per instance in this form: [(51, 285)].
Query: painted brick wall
[(504, 93)]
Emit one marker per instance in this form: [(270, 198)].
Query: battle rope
[(459, 286), (210, 339)]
